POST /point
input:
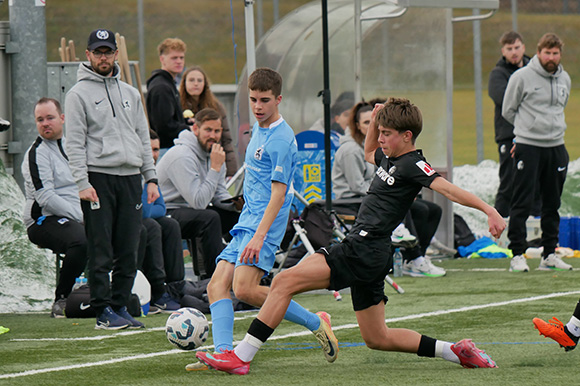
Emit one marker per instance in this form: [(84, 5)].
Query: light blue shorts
[(233, 251)]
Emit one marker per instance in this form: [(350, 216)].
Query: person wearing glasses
[(108, 145)]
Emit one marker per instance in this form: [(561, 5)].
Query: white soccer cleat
[(422, 267), (518, 264), (553, 263)]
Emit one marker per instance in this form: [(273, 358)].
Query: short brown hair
[(510, 37), (45, 100), (401, 115), (169, 44), (550, 40), (205, 115), (265, 79)]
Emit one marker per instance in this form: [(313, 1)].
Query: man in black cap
[(109, 149)]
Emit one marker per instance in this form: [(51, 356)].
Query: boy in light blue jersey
[(270, 166)]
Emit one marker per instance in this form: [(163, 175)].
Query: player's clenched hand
[(496, 224), (251, 253)]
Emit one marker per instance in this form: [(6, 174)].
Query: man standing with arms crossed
[(109, 148), (534, 103)]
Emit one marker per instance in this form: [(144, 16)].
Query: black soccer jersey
[(396, 184)]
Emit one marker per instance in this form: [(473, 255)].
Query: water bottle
[(397, 263), (80, 281), (77, 284)]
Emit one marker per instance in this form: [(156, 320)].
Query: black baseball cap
[(102, 38)]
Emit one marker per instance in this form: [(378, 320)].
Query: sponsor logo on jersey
[(84, 306), (382, 173), (258, 153), (279, 169), (426, 168), (520, 165)]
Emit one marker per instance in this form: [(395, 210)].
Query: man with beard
[(108, 145), (534, 103), (192, 180)]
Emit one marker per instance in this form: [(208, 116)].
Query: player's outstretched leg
[(326, 337), (470, 356), (554, 329), (227, 361)]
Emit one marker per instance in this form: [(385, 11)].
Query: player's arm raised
[(456, 194), (372, 138)]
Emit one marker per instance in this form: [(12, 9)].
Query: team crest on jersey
[(426, 168), (520, 165), (258, 153), (392, 170)]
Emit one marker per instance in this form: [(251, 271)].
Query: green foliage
[(505, 331)]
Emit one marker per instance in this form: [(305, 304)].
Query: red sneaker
[(227, 361), (555, 329), (470, 356)]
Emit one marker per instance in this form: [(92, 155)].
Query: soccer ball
[(187, 328)]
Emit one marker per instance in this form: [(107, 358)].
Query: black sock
[(576, 313), (260, 330), (426, 347)]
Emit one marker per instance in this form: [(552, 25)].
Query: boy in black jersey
[(361, 260)]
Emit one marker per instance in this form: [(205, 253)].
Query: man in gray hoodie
[(109, 149), (534, 103), (192, 180)]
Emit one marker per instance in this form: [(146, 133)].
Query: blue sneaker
[(133, 323), (165, 304), (109, 320)]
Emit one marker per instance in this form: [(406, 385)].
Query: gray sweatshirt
[(351, 174), (49, 186), (186, 178), (534, 103), (106, 128)]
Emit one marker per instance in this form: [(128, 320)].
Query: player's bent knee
[(284, 283)]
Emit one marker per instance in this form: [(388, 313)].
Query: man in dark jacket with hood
[(163, 105), (513, 58)]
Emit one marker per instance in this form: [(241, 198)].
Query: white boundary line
[(302, 333), (113, 335)]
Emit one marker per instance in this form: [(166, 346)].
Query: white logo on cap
[(103, 35)]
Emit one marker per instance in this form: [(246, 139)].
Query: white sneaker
[(422, 267), (518, 264), (553, 263)]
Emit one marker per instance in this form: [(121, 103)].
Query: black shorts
[(361, 264)]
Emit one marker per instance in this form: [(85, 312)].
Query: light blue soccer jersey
[(270, 156)]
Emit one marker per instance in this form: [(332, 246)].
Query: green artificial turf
[(435, 307)]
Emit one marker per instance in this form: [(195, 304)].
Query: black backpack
[(78, 304), (462, 233)]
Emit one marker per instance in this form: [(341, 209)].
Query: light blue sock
[(222, 327), (300, 315)]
